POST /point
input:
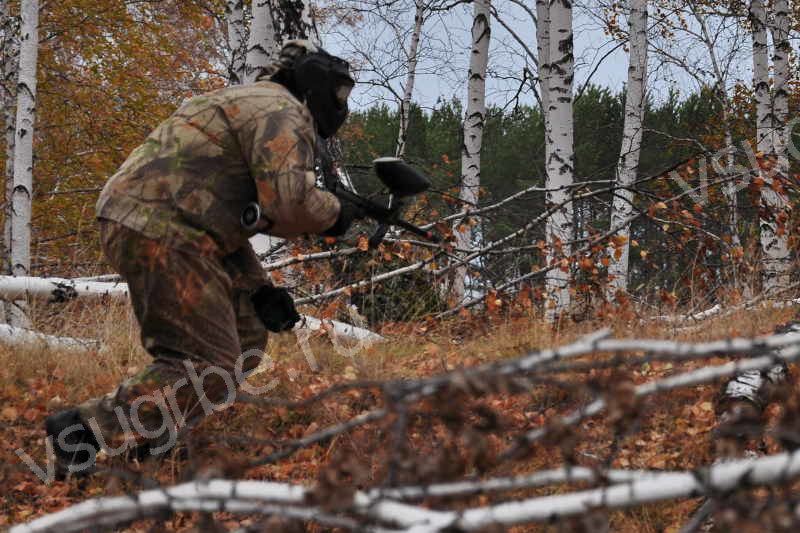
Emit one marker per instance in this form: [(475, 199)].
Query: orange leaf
[(330, 310)]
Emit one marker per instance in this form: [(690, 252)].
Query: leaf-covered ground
[(670, 431)]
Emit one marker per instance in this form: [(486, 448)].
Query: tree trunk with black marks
[(473, 135)]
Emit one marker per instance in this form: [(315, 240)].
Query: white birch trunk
[(292, 20), (59, 289), (560, 156), (631, 145), (774, 233), (23, 149), (543, 51), (730, 190), (237, 39), (10, 64), (473, 133), (405, 103), (780, 59), (262, 46), (758, 17), (18, 337)]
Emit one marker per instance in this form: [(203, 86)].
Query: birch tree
[(262, 45), (273, 23), (292, 20), (631, 144), (771, 130), (22, 193), (9, 26), (408, 90), (237, 38), (543, 51), (557, 76), (473, 132)]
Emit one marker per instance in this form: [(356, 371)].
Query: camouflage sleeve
[(281, 159)]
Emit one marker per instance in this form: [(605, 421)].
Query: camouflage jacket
[(190, 180)]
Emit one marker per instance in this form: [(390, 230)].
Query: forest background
[(109, 74)]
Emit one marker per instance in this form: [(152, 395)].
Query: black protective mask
[(324, 82)]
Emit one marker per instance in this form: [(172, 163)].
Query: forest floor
[(672, 432)]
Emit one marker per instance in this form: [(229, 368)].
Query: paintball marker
[(402, 180)]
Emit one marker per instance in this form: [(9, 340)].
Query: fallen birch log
[(755, 303), (711, 480), (20, 336), (339, 329), (291, 500), (216, 495), (58, 289), (701, 315), (63, 289), (102, 277)]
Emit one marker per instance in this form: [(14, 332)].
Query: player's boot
[(74, 444)]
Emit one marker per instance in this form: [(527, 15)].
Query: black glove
[(348, 212), (275, 308)]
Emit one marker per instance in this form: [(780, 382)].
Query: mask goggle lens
[(343, 91)]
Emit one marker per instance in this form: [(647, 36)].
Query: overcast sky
[(445, 48), (445, 55)]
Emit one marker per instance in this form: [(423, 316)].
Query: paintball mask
[(321, 80)]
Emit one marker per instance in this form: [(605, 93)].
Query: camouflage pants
[(196, 319)]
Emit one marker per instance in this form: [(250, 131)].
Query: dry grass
[(672, 433)]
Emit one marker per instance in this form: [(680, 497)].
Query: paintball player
[(172, 223)]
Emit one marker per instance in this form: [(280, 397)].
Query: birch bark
[(262, 45), (237, 38), (543, 51), (10, 63), (292, 20), (405, 103), (780, 59), (775, 206), (631, 145), (473, 133), (560, 156), (758, 17), (23, 150)]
